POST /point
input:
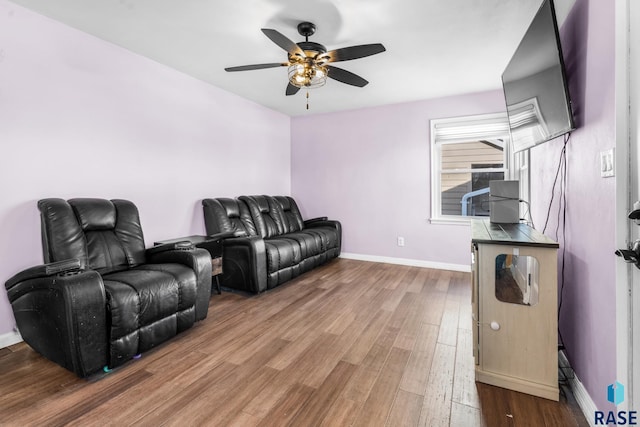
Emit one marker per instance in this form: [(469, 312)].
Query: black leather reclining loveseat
[(271, 243), (102, 298)]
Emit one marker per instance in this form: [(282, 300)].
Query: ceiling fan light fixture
[(307, 75), (309, 62)]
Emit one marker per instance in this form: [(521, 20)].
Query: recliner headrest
[(262, 202), (284, 202), (94, 214), (230, 206)]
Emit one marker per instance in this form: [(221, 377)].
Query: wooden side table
[(213, 244), (514, 307)]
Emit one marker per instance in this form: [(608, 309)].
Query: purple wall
[(587, 316), (370, 169), (80, 117)]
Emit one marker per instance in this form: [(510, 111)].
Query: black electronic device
[(535, 84)]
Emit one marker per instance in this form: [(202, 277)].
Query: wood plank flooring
[(350, 343)]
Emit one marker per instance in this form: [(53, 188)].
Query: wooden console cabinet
[(514, 303)]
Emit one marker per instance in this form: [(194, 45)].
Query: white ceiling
[(434, 47)]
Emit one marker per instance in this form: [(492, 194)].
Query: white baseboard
[(579, 392), (407, 261), (10, 338)]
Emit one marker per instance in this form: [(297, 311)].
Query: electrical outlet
[(400, 241)]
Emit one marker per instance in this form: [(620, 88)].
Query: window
[(467, 153)]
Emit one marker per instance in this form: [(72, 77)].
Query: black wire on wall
[(561, 172)]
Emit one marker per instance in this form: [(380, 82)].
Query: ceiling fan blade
[(284, 42), (354, 52), (292, 90), (256, 66), (345, 76)]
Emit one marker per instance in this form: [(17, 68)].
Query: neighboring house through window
[(467, 153)]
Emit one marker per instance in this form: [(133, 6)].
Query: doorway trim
[(624, 185)]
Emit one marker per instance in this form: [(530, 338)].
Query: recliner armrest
[(196, 258), (245, 263), (54, 268), (312, 220), (62, 315), (228, 234), (184, 245), (323, 223)]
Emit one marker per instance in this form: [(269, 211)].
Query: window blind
[(464, 129)]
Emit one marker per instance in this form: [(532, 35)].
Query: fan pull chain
[(307, 100)]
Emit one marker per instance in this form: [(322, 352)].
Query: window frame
[(456, 130)]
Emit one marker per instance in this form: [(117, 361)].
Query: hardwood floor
[(350, 343)]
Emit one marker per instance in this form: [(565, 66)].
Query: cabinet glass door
[(517, 279)]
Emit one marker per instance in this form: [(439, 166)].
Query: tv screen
[(535, 84)]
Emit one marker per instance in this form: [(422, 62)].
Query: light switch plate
[(607, 163)]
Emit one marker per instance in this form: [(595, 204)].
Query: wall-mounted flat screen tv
[(535, 84)]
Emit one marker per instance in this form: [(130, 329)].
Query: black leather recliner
[(272, 242), (102, 298)]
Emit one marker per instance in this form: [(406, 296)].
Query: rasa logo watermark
[(615, 395)]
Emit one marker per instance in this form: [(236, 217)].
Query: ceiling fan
[(308, 62)]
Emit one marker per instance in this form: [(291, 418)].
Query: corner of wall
[(580, 393), (10, 338)]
